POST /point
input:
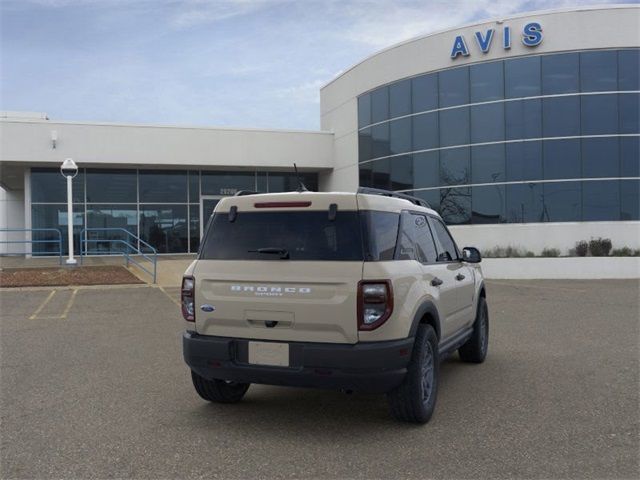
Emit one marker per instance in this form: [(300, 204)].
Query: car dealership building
[(521, 131)]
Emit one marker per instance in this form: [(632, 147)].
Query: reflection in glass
[(163, 186), (194, 227), (488, 204), (112, 186), (380, 140), (425, 131), (365, 145), (522, 77), (455, 205), (488, 164), (113, 217), (288, 182), (629, 69), (523, 119), (455, 166), (400, 135), (365, 175), (400, 99), (454, 87), (49, 186), (562, 202), (560, 73), (227, 183), (561, 116), (424, 92), (524, 161), (599, 71), (630, 200), (561, 159), (454, 127), (487, 123), (629, 112), (165, 227), (524, 202), (600, 200), (194, 186), (53, 216), (432, 197), (630, 156), (487, 82), (426, 169), (600, 157), (381, 174), (364, 110), (380, 105), (401, 172), (599, 114)]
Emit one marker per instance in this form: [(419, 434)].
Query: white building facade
[(521, 131)]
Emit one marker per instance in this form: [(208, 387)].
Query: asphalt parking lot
[(94, 386)]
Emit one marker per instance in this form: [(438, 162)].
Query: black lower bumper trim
[(366, 367)]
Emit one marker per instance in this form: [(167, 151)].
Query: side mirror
[(471, 255)]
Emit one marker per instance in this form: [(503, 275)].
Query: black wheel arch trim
[(427, 308)]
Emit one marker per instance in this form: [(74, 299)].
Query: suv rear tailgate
[(309, 301)]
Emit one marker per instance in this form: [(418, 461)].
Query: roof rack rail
[(389, 193), (242, 193)]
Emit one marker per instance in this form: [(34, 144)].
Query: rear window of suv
[(307, 235)]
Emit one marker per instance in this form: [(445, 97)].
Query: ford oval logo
[(207, 308)]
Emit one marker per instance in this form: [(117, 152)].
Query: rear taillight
[(375, 303), (187, 299)]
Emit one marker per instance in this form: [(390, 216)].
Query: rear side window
[(303, 235), (415, 241), (380, 232), (447, 250)]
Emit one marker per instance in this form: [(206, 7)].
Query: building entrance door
[(207, 204)]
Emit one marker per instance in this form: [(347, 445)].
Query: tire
[(415, 398), (219, 391), (475, 349)]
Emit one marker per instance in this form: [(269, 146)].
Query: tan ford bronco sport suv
[(358, 291)]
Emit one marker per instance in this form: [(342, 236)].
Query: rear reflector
[(281, 204)]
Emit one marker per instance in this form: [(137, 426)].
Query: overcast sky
[(248, 63)]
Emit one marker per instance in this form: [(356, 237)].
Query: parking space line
[(42, 305), (69, 303), (170, 296)]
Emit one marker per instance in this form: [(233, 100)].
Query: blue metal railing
[(132, 247), (57, 240)]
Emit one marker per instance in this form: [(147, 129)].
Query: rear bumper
[(373, 367)]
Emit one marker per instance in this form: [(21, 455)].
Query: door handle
[(436, 282), (459, 277)]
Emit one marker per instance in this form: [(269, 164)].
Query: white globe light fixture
[(69, 169)]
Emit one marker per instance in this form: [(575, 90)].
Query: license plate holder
[(274, 354)]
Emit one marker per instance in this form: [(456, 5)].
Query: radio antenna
[(301, 186)]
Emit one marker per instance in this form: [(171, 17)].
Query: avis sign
[(531, 37)]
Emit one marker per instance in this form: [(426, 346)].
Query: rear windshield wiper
[(284, 253)]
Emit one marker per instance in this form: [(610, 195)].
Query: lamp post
[(69, 169)]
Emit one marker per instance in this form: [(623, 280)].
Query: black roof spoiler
[(389, 193)]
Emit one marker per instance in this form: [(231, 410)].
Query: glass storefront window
[(629, 112), (402, 173), (487, 82), (380, 140), (380, 105), (487, 123), (488, 204), (194, 186), (454, 127), (364, 175), (432, 197), (488, 164), (522, 77), (114, 217), (425, 131), (165, 227), (455, 205), (562, 202), (601, 200), (400, 135), (365, 145), (524, 202), (455, 166), (364, 110), (629, 69), (600, 157), (400, 99), (523, 119), (49, 186), (381, 174), (630, 156), (194, 227), (523, 161), (560, 73), (111, 186), (227, 183), (158, 186), (599, 71), (599, 114), (426, 169), (561, 159), (55, 216), (629, 203), (288, 182), (453, 87), (561, 116), (424, 93)]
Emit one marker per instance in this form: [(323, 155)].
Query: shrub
[(550, 252), (636, 253), (507, 252), (529, 253), (600, 247), (622, 252), (582, 247)]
